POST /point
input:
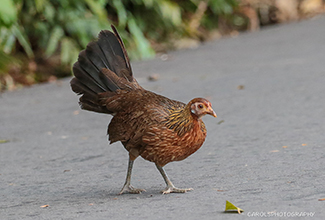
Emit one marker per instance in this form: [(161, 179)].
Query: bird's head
[(200, 107)]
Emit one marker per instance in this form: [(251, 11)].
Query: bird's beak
[(211, 112)]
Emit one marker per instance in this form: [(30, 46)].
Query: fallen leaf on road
[(232, 208), (240, 87), (323, 199), (284, 146), (218, 190), (274, 151), (3, 141), (44, 206), (154, 77), (304, 145)]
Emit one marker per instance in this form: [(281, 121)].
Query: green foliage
[(51, 23), (5, 59), (222, 6), (144, 19), (40, 29), (8, 13), (46, 25)]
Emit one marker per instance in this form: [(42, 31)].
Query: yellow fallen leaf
[(323, 199), (44, 206), (2, 141), (284, 146), (232, 208), (304, 145)]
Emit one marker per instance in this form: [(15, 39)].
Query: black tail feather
[(103, 67), (93, 82)]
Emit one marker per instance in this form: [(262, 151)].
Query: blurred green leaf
[(141, 42), (40, 4), (223, 6), (8, 13), (97, 8), (69, 51), (7, 40), (171, 10), (121, 12), (21, 36), (48, 11), (56, 35)]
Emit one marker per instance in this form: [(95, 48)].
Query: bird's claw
[(175, 190), (131, 189)]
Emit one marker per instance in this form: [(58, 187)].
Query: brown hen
[(149, 125)]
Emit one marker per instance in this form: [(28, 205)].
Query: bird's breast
[(164, 145)]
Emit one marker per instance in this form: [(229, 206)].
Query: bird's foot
[(171, 189), (131, 189)]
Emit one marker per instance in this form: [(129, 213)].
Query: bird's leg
[(127, 185), (170, 186)]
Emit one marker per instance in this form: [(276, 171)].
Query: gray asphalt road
[(264, 152)]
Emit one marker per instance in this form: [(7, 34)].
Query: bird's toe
[(175, 190), (131, 189)]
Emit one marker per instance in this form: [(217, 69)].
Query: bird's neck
[(182, 120)]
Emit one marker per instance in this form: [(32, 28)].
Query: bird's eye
[(200, 106)]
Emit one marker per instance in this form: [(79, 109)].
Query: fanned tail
[(103, 67)]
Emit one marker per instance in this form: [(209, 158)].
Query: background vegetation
[(40, 39)]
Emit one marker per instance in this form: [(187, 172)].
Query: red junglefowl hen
[(152, 126)]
